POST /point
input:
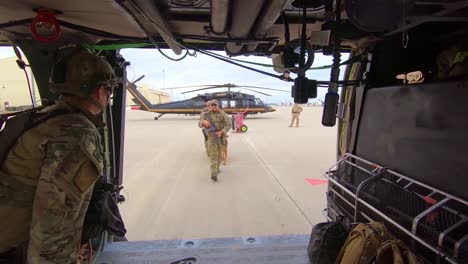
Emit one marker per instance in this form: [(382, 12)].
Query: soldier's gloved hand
[(205, 124), (219, 134)]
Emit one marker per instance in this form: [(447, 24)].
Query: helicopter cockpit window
[(258, 101), (224, 104), (15, 93), (247, 103), (232, 104)]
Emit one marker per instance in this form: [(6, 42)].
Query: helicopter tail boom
[(144, 103)]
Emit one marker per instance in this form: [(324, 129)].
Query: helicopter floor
[(272, 184), (250, 250)]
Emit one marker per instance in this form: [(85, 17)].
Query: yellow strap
[(460, 56)]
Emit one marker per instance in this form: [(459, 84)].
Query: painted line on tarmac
[(270, 172)]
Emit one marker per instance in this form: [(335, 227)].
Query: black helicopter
[(230, 101)]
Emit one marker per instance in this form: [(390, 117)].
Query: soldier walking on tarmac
[(215, 123), (296, 111)]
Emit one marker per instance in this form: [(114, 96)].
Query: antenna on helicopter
[(138, 79)]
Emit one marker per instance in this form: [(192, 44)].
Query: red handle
[(48, 17)]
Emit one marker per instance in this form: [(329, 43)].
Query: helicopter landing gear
[(244, 128), (157, 117)]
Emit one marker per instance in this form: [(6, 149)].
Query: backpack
[(395, 252), (326, 241), (362, 243), (12, 127)]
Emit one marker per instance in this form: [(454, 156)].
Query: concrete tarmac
[(272, 184)]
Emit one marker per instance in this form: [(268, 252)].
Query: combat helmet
[(81, 74)]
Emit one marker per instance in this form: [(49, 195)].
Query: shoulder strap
[(355, 232), (208, 116), (16, 125), (13, 128)]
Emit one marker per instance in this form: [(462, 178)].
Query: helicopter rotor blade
[(225, 85), (258, 92), (138, 79), (206, 88), (265, 88), (190, 86), (228, 85)]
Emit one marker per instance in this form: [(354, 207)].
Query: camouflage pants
[(215, 150), (205, 137)]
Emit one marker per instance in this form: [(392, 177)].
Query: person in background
[(239, 117), (295, 113)]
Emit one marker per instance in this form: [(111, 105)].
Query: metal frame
[(448, 230), (359, 104), (377, 173), (448, 8), (458, 244), (426, 212), (374, 174)]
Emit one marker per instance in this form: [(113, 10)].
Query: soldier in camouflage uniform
[(221, 122), (52, 169)]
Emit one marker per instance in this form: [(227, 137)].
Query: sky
[(161, 73)]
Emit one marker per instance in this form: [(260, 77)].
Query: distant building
[(15, 96), (154, 96), (14, 91)]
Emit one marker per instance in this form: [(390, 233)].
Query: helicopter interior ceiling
[(133, 20), (238, 27)]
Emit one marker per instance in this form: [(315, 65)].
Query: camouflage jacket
[(220, 119), (50, 171)]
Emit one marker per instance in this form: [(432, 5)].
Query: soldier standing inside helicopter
[(215, 123), (48, 176)]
